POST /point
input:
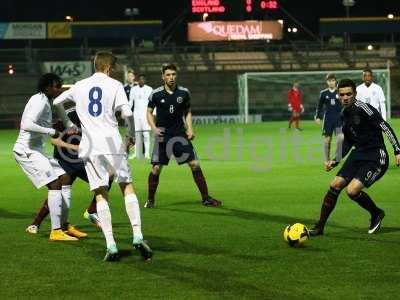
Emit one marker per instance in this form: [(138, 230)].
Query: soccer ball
[(296, 235)]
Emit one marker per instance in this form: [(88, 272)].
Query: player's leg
[(122, 172), (55, 204), (328, 204), (369, 173), (40, 216), (296, 120), (133, 212), (146, 138), (139, 144), (339, 141), (104, 213), (327, 147), (201, 183), (153, 181), (291, 119), (159, 158), (66, 182), (354, 191)]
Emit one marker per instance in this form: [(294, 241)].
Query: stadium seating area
[(201, 68)]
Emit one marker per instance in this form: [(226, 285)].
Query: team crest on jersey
[(357, 119), (162, 100), (179, 99), (337, 96)]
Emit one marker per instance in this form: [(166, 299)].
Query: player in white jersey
[(97, 99), (138, 100), (40, 168), (371, 93)]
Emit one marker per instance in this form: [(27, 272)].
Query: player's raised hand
[(190, 134), (397, 158)]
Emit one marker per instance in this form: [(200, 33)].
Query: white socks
[(133, 211), (103, 211), (66, 203), (54, 200)]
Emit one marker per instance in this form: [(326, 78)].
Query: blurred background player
[(295, 104), (97, 99), (29, 153), (366, 163), (329, 109), (371, 93), (74, 168), (130, 82), (138, 100), (171, 136)]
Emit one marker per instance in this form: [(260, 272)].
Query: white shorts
[(141, 123), (40, 168), (99, 168)]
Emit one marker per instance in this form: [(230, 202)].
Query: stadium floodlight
[(265, 93)]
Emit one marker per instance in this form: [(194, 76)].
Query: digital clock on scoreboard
[(223, 7)]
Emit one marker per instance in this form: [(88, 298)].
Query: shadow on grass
[(6, 214), (250, 215)]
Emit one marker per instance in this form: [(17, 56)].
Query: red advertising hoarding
[(234, 31)]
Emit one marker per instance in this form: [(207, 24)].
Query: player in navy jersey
[(329, 109), (68, 159), (173, 136), (367, 162)]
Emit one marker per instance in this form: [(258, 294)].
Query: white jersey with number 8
[(97, 99)]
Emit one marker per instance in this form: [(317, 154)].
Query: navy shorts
[(367, 167), (177, 146), (74, 169), (331, 125)]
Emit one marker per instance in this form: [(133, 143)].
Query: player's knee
[(156, 170), (54, 185), (352, 192), (337, 185), (194, 164)]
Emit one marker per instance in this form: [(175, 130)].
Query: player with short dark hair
[(172, 137), (366, 163), (371, 93), (329, 109), (29, 153), (130, 82)]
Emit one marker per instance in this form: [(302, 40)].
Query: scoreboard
[(228, 7)]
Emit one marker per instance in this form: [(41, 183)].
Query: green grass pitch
[(268, 177)]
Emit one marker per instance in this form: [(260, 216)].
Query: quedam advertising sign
[(234, 31)]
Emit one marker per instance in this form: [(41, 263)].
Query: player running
[(172, 103), (329, 109), (366, 163), (97, 99)]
